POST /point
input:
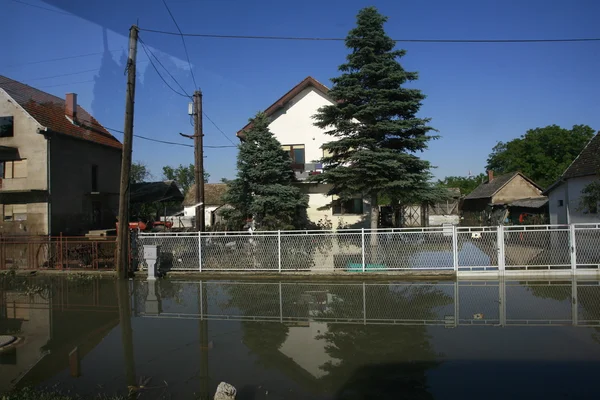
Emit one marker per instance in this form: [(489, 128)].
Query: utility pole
[(123, 224), (199, 160)]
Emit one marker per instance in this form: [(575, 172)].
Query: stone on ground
[(225, 391)]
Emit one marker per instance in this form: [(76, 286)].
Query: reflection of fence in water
[(492, 303)]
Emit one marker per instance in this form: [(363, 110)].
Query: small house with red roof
[(292, 124), (59, 167)]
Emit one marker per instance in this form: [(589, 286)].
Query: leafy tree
[(542, 154), (139, 172), (590, 197), (374, 122), (465, 184), (183, 175), (263, 188)]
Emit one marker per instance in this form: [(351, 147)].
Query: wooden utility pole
[(199, 161), (123, 224)]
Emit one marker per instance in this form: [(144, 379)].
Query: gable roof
[(49, 111), (489, 189), (587, 162), (151, 192), (309, 81), (213, 194)]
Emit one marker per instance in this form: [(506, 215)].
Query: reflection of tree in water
[(560, 291), (382, 361), (262, 338)]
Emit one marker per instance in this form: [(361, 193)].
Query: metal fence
[(57, 252), (536, 247)]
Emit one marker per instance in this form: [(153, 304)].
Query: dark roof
[(152, 192), (283, 100), (533, 202), (49, 111), (488, 189), (213, 194), (587, 162)]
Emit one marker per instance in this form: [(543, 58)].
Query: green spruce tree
[(374, 123), (264, 189)]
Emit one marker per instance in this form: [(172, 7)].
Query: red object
[(134, 225)]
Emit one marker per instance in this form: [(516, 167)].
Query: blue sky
[(477, 94)]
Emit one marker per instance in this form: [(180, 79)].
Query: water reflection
[(298, 340)]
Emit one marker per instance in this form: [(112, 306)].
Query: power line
[(43, 8), (331, 39), (161, 64), (167, 142), (219, 129), (58, 76), (60, 58), (184, 46), (161, 77), (66, 84)]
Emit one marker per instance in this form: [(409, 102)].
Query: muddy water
[(291, 340)]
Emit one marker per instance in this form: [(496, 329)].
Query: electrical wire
[(330, 39), (60, 58), (66, 84), (43, 8), (161, 64), (219, 129), (184, 46), (161, 77), (58, 76)]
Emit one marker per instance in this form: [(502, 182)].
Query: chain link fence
[(543, 247)]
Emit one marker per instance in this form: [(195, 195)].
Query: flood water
[(294, 340)]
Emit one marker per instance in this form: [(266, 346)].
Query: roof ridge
[(34, 88)]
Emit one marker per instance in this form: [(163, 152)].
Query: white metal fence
[(535, 247)]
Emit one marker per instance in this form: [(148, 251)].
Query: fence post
[(573, 249), (364, 304), (362, 239), (501, 259), (455, 248), (200, 250), (279, 252)]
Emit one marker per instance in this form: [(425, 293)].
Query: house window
[(351, 206), (94, 178), (13, 169), (15, 212), (560, 203), (296, 152), (6, 127)]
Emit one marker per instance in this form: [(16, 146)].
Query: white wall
[(317, 200), (574, 188), (294, 124), (558, 214), (303, 347), (191, 212)]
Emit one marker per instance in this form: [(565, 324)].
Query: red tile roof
[(49, 111), (283, 100)]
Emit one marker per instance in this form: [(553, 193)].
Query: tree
[(139, 172), (542, 154), (183, 175), (465, 184), (374, 121), (263, 188)]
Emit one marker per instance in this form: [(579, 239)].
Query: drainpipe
[(48, 181), (567, 202)]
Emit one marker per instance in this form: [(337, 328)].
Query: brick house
[(59, 167)]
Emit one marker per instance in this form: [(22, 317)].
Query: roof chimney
[(71, 106), (490, 176)]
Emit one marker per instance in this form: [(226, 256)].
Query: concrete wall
[(317, 198), (32, 148), (574, 187), (71, 184), (517, 188), (190, 212), (294, 124), (558, 213)]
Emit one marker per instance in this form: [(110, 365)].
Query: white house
[(213, 194), (565, 194), (292, 124)]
